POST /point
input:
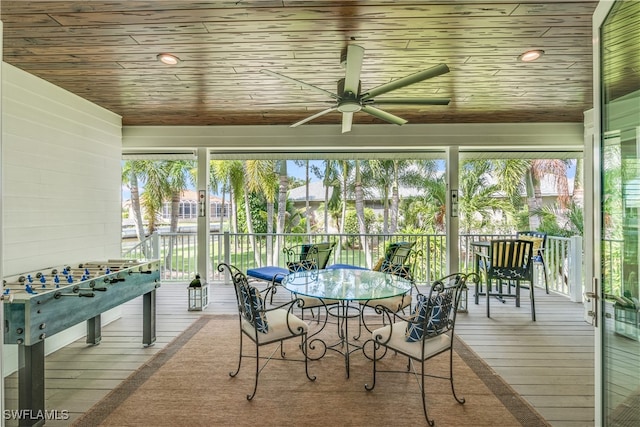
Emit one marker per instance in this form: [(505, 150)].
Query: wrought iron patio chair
[(426, 333), (305, 256), (264, 326), (400, 259), (310, 257), (508, 262), (539, 240)]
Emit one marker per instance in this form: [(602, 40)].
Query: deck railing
[(177, 252)]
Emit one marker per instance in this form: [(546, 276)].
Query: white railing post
[(575, 269), (227, 255)]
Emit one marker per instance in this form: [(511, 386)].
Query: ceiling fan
[(349, 99)]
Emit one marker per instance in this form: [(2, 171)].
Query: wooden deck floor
[(549, 362)]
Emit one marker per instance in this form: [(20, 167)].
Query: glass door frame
[(594, 149), (594, 269)]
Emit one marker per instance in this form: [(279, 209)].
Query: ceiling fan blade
[(355, 54), (308, 119), (383, 115), (347, 120), (412, 101), (406, 81), (298, 82)]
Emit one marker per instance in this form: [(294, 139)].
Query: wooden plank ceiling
[(106, 52)]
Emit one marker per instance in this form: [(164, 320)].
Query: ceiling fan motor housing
[(349, 102)]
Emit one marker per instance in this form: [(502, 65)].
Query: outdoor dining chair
[(539, 240), (304, 256), (264, 326), (310, 257), (400, 259), (508, 263), (426, 333)]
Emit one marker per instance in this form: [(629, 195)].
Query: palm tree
[(178, 177), (477, 197), (345, 171), (155, 191), (260, 177), (379, 174), (424, 176), (283, 188), (231, 174), (307, 206), (332, 186), (362, 227), (520, 176), (131, 175)]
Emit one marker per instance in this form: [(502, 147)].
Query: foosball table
[(42, 303)]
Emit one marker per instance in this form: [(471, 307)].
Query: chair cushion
[(252, 300), (397, 341), (311, 302), (393, 304), (278, 328), (436, 322), (268, 273)]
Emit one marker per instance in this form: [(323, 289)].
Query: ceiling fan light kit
[(349, 99)]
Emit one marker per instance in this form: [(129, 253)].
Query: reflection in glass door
[(620, 206)]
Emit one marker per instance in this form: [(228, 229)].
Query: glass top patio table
[(346, 284)]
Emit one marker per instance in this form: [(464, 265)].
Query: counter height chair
[(539, 240), (426, 333), (264, 326), (508, 261)]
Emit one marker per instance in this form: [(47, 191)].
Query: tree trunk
[(362, 226), (173, 226), (135, 206), (137, 213), (307, 208), (395, 199), (282, 208), (252, 237), (578, 189), (533, 191)]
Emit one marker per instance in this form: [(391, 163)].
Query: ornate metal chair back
[(247, 296), (313, 256), (442, 303), (400, 259)]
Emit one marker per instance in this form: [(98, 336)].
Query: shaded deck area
[(548, 362)]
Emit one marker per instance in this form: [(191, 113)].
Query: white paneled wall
[(61, 177), (61, 170)]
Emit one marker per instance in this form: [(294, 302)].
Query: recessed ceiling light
[(531, 55), (167, 58)]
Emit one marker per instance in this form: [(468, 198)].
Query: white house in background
[(188, 212)]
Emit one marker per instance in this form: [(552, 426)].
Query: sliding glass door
[(620, 214)]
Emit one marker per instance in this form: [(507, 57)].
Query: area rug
[(188, 384)]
